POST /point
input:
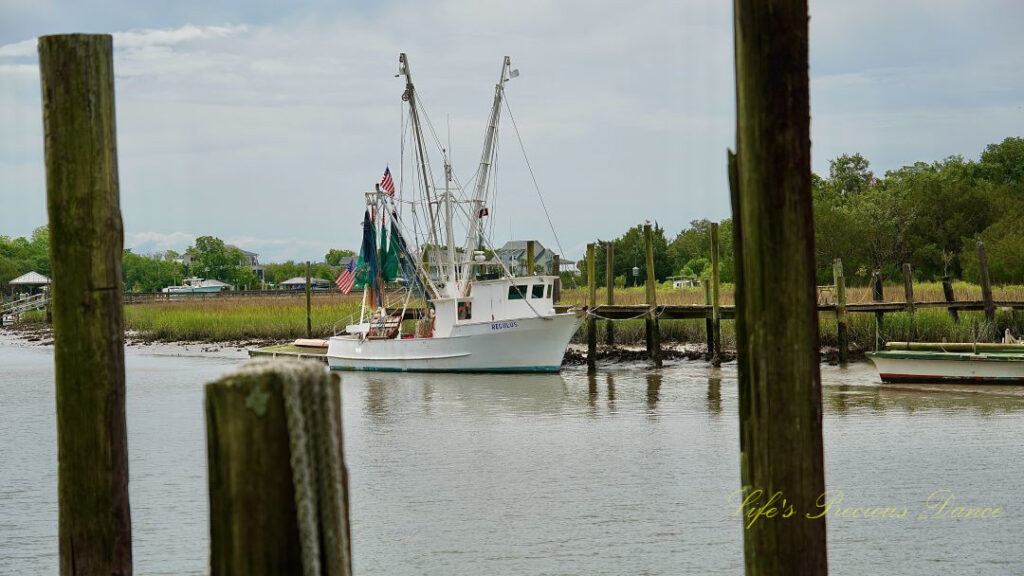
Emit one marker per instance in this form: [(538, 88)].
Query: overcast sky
[(263, 122)]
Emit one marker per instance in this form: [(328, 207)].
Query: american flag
[(387, 183), (347, 278)]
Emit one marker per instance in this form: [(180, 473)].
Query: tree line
[(208, 257), (929, 215)]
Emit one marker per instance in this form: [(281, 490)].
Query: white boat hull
[(949, 367), (535, 344)]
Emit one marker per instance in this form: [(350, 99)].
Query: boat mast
[(410, 96), (474, 237), (451, 282)]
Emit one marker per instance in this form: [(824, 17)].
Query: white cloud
[(268, 134)]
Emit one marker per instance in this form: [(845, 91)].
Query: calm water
[(626, 473)]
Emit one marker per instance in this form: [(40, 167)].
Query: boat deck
[(290, 351)]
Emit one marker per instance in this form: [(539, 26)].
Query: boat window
[(538, 291), (548, 294), (465, 310), (517, 292)]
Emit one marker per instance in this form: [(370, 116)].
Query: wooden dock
[(290, 351), (701, 311)]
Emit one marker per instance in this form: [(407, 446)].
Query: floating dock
[(290, 351)]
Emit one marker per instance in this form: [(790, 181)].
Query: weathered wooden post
[(908, 291), (86, 243), (556, 270), (49, 304), (908, 286), (309, 305), (986, 285), (878, 296), (591, 301), (529, 258), (653, 328), (277, 480), (947, 293), (709, 326), (841, 327), (609, 280), (716, 312), (777, 331)]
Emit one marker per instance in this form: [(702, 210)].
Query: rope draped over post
[(278, 484)]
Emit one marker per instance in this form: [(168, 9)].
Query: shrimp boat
[(971, 363), (479, 317)]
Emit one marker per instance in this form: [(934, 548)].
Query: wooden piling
[(841, 326), (272, 426), (908, 286), (86, 243), (556, 265), (877, 295), (947, 293), (309, 304), (528, 268), (609, 281), (653, 328), (716, 312), (986, 285), (591, 301), (709, 326), (908, 291), (780, 383)]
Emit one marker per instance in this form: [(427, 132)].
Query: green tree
[(1003, 163), (1004, 250), (147, 273), (334, 256), (212, 259), (849, 174)]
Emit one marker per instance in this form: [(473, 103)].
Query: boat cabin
[(495, 301)]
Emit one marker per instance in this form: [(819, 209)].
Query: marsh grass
[(240, 318), (926, 325), (923, 292), (278, 318)]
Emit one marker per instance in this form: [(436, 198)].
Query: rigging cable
[(533, 177)]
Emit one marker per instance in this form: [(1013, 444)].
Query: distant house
[(569, 268), (513, 256), (30, 282), (436, 258), (249, 259), (684, 281)]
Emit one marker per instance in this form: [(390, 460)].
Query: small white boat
[(956, 362), (480, 317), (197, 286)]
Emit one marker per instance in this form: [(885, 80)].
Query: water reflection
[(611, 392), (714, 402), (653, 391), (846, 399), (592, 393), (386, 396)]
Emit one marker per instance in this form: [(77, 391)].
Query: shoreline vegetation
[(251, 321)]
